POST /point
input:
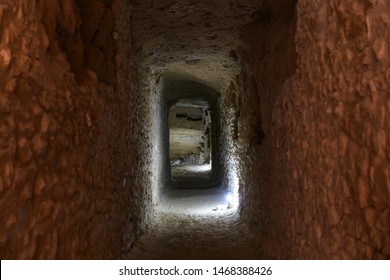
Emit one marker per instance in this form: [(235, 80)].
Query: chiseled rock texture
[(303, 119), (65, 184), (322, 72)]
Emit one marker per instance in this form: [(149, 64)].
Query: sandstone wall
[(82, 163), (325, 161), (65, 137)]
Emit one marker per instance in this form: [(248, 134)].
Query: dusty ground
[(186, 226), (202, 171)]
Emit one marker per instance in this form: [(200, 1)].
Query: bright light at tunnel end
[(229, 198), (232, 197), (232, 200)]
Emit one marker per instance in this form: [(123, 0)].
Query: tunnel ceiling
[(189, 91), (195, 38)]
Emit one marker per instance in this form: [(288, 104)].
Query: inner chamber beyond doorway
[(190, 145), (193, 133)]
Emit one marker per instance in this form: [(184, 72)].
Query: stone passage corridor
[(194, 129)]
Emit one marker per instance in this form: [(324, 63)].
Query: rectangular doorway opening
[(190, 142)]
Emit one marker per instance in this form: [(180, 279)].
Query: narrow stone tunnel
[(278, 149)]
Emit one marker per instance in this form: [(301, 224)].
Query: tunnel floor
[(192, 177), (218, 235), (195, 224), (202, 171)]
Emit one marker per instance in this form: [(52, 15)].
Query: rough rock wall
[(241, 136), (247, 135), (64, 187), (325, 161)]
